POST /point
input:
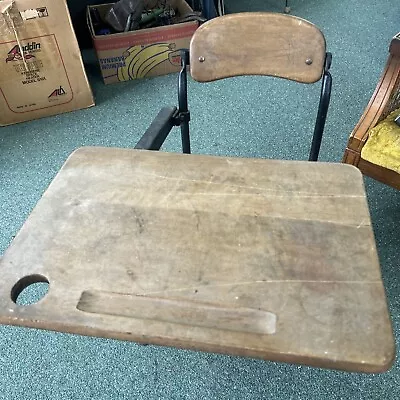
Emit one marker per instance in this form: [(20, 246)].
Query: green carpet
[(251, 117)]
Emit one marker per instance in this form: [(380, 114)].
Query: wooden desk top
[(259, 258)]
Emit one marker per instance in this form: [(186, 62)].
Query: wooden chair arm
[(394, 47), (384, 100)]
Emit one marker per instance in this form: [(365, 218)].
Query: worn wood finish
[(241, 256), (377, 109), (257, 44), (381, 174)]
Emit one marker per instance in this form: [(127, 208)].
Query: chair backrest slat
[(257, 44)]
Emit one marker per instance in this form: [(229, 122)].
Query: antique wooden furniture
[(270, 44), (248, 257), (385, 99)]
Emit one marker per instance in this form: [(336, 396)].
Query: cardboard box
[(41, 69), (144, 52)]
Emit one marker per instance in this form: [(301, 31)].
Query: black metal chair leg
[(183, 102), (322, 110)]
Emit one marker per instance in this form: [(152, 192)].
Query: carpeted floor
[(252, 117)]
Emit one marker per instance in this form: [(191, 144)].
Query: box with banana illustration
[(142, 52)]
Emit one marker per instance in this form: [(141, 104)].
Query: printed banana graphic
[(154, 56), (129, 54), (139, 61)]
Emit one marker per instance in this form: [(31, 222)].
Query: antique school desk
[(248, 257)]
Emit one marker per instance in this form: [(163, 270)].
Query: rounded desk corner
[(80, 150), (388, 358), (352, 170), (80, 153), (386, 362)]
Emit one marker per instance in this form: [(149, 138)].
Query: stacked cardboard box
[(41, 69)]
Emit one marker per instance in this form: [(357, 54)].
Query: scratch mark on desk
[(209, 182), (361, 224), (197, 287)]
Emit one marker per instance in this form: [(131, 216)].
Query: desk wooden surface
[(259, 258)]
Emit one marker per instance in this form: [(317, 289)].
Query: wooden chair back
[(257, 43)]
